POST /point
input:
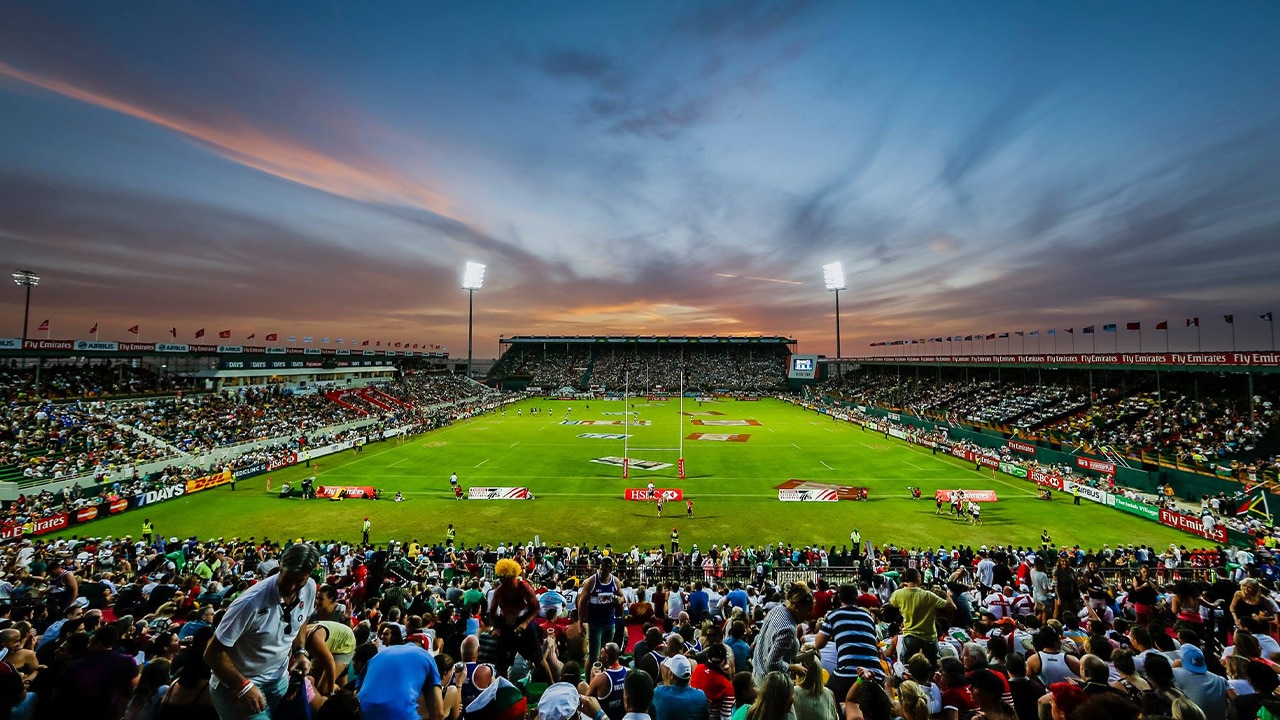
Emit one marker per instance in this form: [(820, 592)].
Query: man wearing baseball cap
[(674, 699)]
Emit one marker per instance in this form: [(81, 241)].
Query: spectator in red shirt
[(711, 676)]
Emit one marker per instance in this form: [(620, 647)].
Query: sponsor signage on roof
[(97, 346)]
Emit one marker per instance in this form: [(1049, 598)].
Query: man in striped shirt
[(854, 632)]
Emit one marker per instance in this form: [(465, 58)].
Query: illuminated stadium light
[(472, 280), (473, 276), (833, 277), (28, 280)]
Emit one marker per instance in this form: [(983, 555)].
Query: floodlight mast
[(27, 279), (833, 277), (472, 280)]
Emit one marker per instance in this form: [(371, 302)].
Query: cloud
[(241, 140)]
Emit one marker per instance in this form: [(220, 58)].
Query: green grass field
[(732, 485)]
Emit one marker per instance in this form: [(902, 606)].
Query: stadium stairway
[(586, 376), (375, 399), (336, 396), (389, 400)]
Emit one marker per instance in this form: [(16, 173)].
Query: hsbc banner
[(498, 493), (348, 491), (666, 494), (1096, 465), (1048, 480), (1192, 524), (1022, 447), (151, 497), (802, 495)]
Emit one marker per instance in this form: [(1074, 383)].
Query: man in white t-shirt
[(251, 646)]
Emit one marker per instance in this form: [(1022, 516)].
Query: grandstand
[(607, 363)]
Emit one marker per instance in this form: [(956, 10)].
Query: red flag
[(379, 343), (93, 329), (415, 345), (173, 331), (1133, 326), (366, 342), (1193, 321), (133, 330), (224, 334), (200, 333), (271, 337), (44, 325), (1162, 325), (397, 344), (991, 336)]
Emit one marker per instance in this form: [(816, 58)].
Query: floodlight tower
[(833, 276), (27, 279), (472, 280)]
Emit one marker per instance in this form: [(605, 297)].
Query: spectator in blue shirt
[(674, 699), (699, 603)]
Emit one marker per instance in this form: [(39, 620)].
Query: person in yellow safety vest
[(1075, 493), (147, 531)]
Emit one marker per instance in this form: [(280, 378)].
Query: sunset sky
[(326, 168)]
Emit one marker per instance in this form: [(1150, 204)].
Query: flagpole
[(1199, 347), (626, 418), (1272, 322), (1166, 338), (1233, 334), (1139, 338)]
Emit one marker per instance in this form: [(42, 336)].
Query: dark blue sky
[(669, 167)]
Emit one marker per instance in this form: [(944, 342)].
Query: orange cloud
[(273, 154)]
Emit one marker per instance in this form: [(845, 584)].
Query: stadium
[(599, 361)]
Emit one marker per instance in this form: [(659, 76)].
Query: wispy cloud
[(240, 140)]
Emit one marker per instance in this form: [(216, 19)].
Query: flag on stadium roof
[(1193, 321), (1004, 335), (1052, 331), (1088, 330), (324, 341), (340, 341), (44, 326), (1018, 333), (1266, 316), (292, 338), (1133, 326), (200, 333), (1110, 327), (366, 342), (1231, 319), (224, 334), (252, 335), (991, 336), (308, 339), (173, 331), (1070, 331), (1162, 325), (968, 337), (1036, 333), (271, 337)]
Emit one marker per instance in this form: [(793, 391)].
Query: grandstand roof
[(648, 339)]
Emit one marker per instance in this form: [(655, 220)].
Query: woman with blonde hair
[(773, 700), (913, 704), (810, 697)]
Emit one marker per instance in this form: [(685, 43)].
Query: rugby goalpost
[(626, 427)]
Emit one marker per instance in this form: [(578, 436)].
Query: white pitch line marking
[(826, 465), (398, 462), (483, 462), (796, 446), (515, 443)]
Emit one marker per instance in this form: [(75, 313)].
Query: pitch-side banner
[(982, 496), (349, 491), (666, 494), (799, 495), (498, 493)]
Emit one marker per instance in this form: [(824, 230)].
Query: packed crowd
[(53, 441), (709, 369), (167, 627), (1213, 427), (62, 380)]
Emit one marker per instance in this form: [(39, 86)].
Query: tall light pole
[(833, 276), (472, 280), (27, 279)]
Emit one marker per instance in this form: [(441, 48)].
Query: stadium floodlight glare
[(833, 276), (472, 280), (473, 276), (27, 279)]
